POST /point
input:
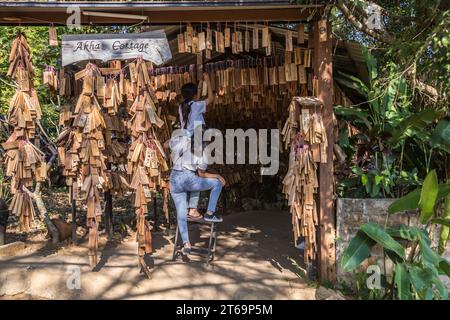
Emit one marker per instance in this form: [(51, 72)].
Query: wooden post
[(108, 215), (323, 68), (155, 212), (74, 222)]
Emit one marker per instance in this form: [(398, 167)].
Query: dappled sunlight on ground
[(255, 259)]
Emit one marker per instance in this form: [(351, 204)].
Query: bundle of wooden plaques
[(82, 151), (24, 161), (256, 89), (146, 157), (305, 134), (115, 104), (243, 38)]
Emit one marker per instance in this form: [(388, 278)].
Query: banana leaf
[(445, 229), (353, 114), (358, 249), (410, 201), (371, 63), (402, 282), (413, 124), (421, 279), (444, 266), (429, 257), (352, 82), (404, 232), (442, 222), (440, 138), (440, 287), (379, 235), (428, 196)]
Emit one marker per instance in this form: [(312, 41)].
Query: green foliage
[(445, 228), (416, 276), (387, 122), (428, 196), (414, 124), (440, 137), (401, 126), (410, 201), (358, 249), (402, 281), (420, 33)]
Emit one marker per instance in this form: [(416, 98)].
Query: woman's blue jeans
[(184, 182)]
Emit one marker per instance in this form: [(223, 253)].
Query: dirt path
[(255, 260)]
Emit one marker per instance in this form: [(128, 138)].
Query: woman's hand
[(210, 98), (221, 179), (204, 174), (166, 144)]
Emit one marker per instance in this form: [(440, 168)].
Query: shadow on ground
[(255, 259)]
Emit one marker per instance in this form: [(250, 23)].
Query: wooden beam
[(323, 67), (40, 17)]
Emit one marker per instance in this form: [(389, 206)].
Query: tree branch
[(37, 197), (389, 39), (386, 38)]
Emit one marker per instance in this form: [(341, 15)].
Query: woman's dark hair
[(188, 91)]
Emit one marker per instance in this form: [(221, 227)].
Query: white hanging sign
[(152, 46)]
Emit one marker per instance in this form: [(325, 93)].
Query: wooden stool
[(208, 253)]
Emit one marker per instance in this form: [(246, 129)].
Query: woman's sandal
[(197, 216)]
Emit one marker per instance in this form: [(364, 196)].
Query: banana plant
[(416, 274), (385, 121)]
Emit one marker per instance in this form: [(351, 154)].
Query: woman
[(189, 175), (191, 115)]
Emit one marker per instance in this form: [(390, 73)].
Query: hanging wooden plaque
[(201, 41), (265, 37), (289, 46), (300, 33), (247, 41), (227, 37), (239, 42), (209, 44), (255, 37), (298, 56), (195, 44), (187, 43), (220, 46), (302, 79), (269, 45), (53, 37), (189, 31)]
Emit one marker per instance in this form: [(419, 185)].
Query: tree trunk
[(4, 213), (37, 197), (2, 235)]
